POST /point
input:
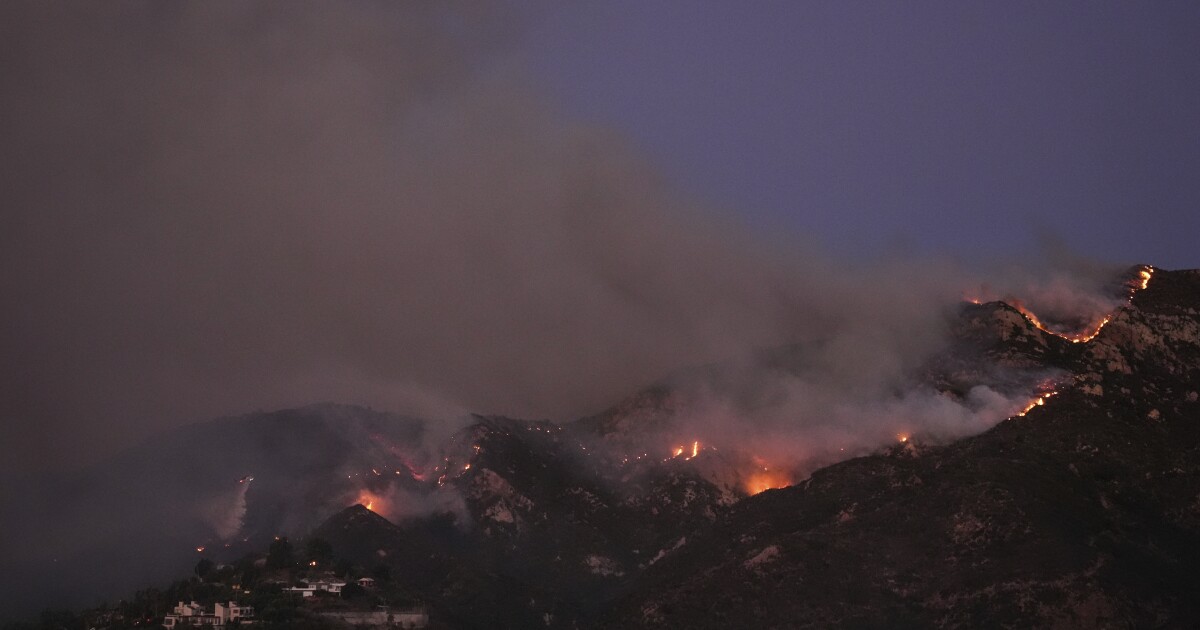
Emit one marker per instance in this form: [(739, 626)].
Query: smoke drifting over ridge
[(214, 208)]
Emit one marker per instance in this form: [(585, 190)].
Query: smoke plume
[(213, 208)]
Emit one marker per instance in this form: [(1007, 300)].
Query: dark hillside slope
[(1083, 513), (77, 537)]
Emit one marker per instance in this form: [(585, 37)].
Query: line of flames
[(766, 479), (1036, 402), (1144, 275)]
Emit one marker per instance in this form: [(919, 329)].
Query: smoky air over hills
[(266, 262), (214, 209)]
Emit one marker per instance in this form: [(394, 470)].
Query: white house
[(195, 615), (311, 588), (233, 611)]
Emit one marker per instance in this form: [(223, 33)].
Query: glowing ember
[(200, 549), (695, 448), (678, 451), (902, 437)]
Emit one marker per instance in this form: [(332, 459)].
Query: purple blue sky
[(962, 127)]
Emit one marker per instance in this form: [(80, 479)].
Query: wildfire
[(415, 473), (1090, 333), (1036, 402), (767, 479), (1079, 337), (680, 450), (1145, 274), (370, 501)]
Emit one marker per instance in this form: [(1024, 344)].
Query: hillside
[(1080, 509), (1083, 513)]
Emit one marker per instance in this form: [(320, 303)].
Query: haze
[(212, 208)]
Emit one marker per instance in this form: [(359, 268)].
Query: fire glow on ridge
[(1090, 333)]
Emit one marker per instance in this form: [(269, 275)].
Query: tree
[(204, 567), (352, 590), (318, 550), (279, 555), (382, 573)]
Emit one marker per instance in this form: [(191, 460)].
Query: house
[(233, 611), (192, 614), (329, 586), (310, 588), (366, 582), (222, 615)]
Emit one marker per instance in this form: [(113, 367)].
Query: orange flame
[(1079, 337), (1092, 331), (1145, 275), (681, 450), (1036, 402), (767, 479), (370, 500)]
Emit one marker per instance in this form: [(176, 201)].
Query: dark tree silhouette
[(318, 550), (204, 567), (280, 554)]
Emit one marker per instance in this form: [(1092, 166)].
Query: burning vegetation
[(1088, 330), (371, 501), (766, 479), (1036, 402), (746, 470)]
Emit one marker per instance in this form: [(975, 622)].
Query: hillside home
[(197, 616), (311, 588)]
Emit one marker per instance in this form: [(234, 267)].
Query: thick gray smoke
[(212, 208)]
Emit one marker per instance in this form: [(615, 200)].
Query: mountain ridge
[(602, 532)]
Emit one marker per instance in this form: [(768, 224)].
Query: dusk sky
[(535, 209), (964, 127)]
